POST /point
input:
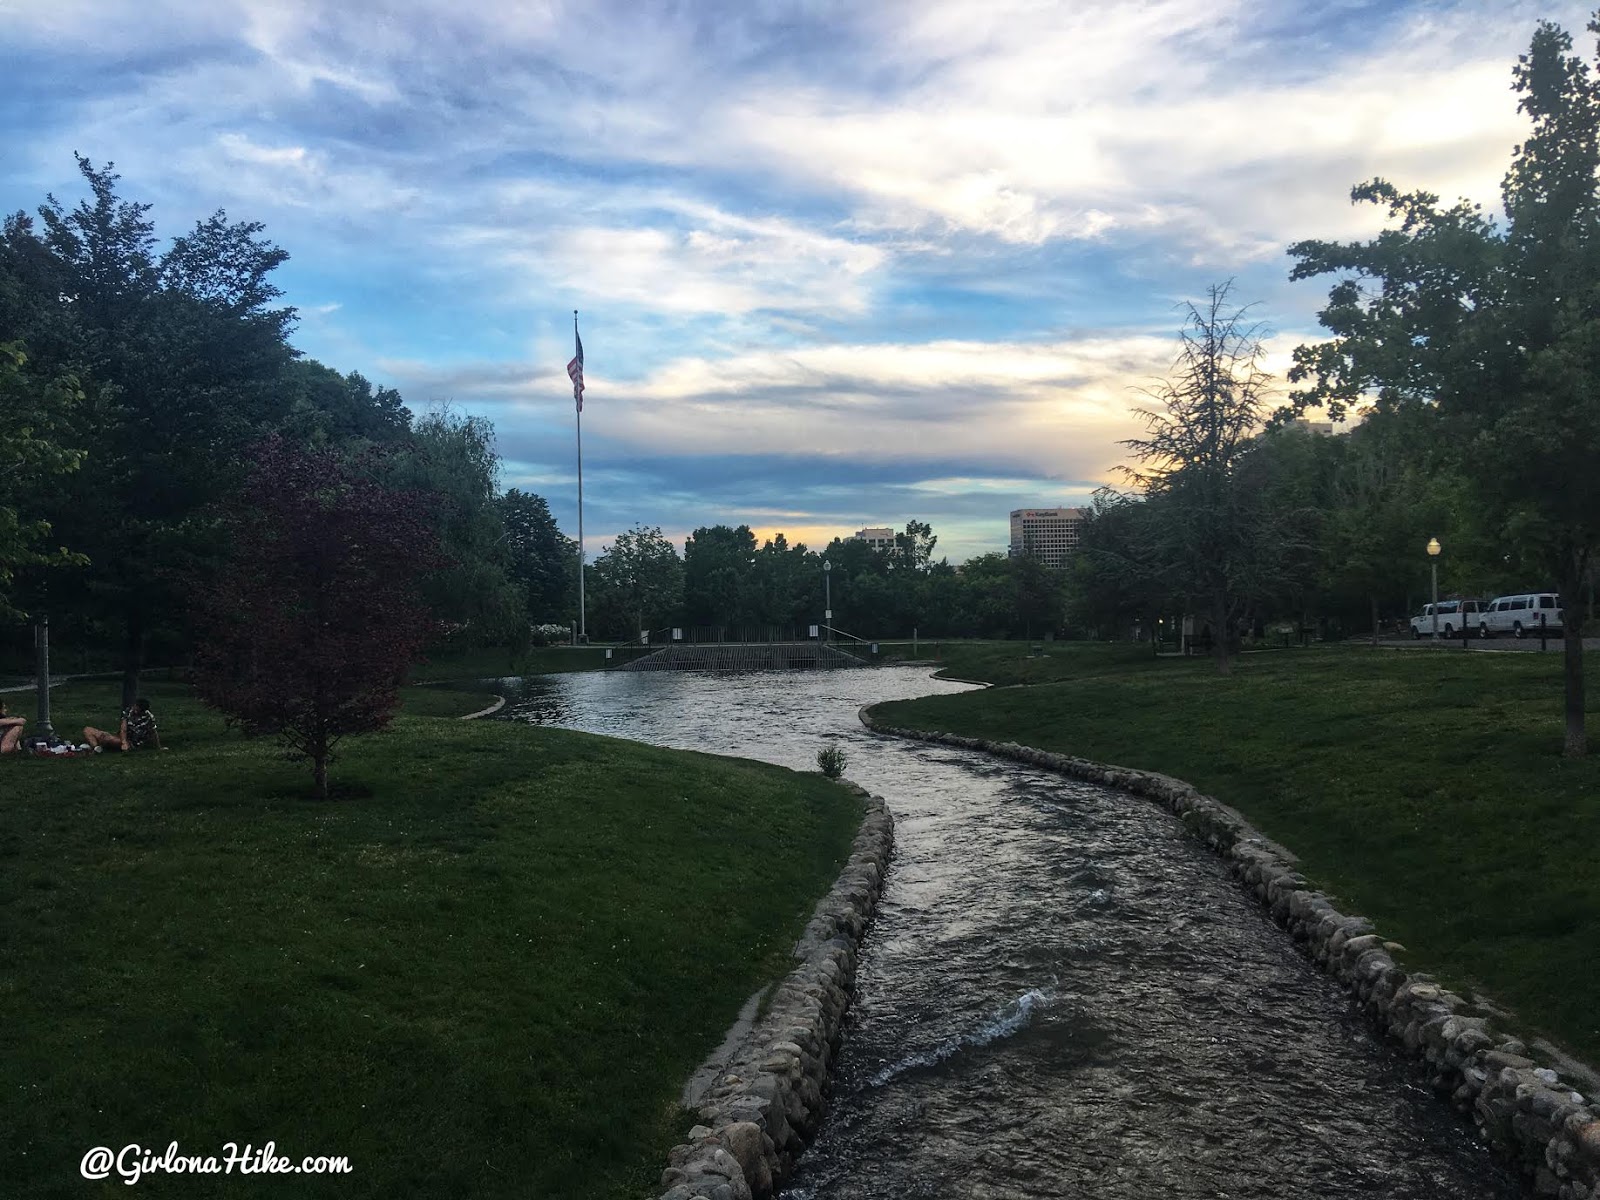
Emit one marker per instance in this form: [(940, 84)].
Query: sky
[(836, 264)]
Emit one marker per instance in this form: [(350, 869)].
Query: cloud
[(1212, 135), (836, 437), (674, 253), (296, 177), (939, 233), (1052, 410), (1140, 120)]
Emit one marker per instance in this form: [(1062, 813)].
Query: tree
[(913, 547), (326, 406), (449, 461), (940, 601), (636, 583), (1498, 330), (179, 353), (543, 560), (309, 630), (1115, 580), (38, 413), (718, 564), (1387, 499), (985, 604), (1209, 527), (1036, 595), (1289, 471), (786, 584)]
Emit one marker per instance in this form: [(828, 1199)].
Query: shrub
[(831, 761)]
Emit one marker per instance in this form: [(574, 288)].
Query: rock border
[(499, 703), (1525, 1111), (770, 1096)]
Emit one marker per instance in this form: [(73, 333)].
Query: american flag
[(575, 369)]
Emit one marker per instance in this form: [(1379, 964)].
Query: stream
[(1062, 994)]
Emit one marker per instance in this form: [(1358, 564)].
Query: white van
[(1520, 615), (1454, 616)]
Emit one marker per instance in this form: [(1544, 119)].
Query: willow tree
[(1493, 329)]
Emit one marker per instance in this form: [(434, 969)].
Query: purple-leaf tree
[(309, 631)]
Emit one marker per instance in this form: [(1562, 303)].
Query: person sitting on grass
[(10, 730), (136, 732)]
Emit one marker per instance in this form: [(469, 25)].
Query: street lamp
[(41, 651), (1433, 563), (827, 600)]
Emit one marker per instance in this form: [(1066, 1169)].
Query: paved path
[(1489, 645), (55, 682)]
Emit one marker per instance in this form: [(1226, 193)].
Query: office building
[(879, 537), (1047, 534), (1320, 428)]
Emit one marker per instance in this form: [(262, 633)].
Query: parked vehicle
[(1520, 615), (1454, 616)]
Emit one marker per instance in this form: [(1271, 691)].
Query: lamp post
[(827, 600), (41, 650), (1433, 563)]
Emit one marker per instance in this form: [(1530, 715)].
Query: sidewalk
[(55, 681), (1495, 645)]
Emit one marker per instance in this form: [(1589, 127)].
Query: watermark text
[(133, 1162)]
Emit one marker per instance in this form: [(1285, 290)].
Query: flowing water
[(1062, 994)]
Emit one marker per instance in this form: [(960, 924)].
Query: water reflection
[(1063, 995)]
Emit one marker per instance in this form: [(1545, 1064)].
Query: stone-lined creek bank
[(1063, 993)]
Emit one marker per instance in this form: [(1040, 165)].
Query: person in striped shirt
[(137, 731)]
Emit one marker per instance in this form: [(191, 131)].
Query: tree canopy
[(543, 561), (1493, 330), (36, 449), (137, 377)]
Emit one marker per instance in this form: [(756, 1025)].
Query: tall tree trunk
[(1373, 599), (132, 655), (318, 750), (1577, 742), (1573, 615), (1219, 634)]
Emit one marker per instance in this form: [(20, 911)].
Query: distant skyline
[(837, 265)]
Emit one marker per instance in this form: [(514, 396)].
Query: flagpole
[(583, 626)]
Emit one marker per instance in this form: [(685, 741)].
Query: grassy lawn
[(1006, 663), (1424, 789), (488, 976), (440, 700)]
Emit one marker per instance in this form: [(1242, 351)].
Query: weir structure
[(746, 656)]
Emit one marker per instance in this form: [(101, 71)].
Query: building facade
[(1047, 534), (1320, 428), (879, 537)]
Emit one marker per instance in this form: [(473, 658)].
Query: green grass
[(439, 700), (1006, 663), (1424, 789), (486, 972)]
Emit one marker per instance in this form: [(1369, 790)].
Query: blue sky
[(838, 264)]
